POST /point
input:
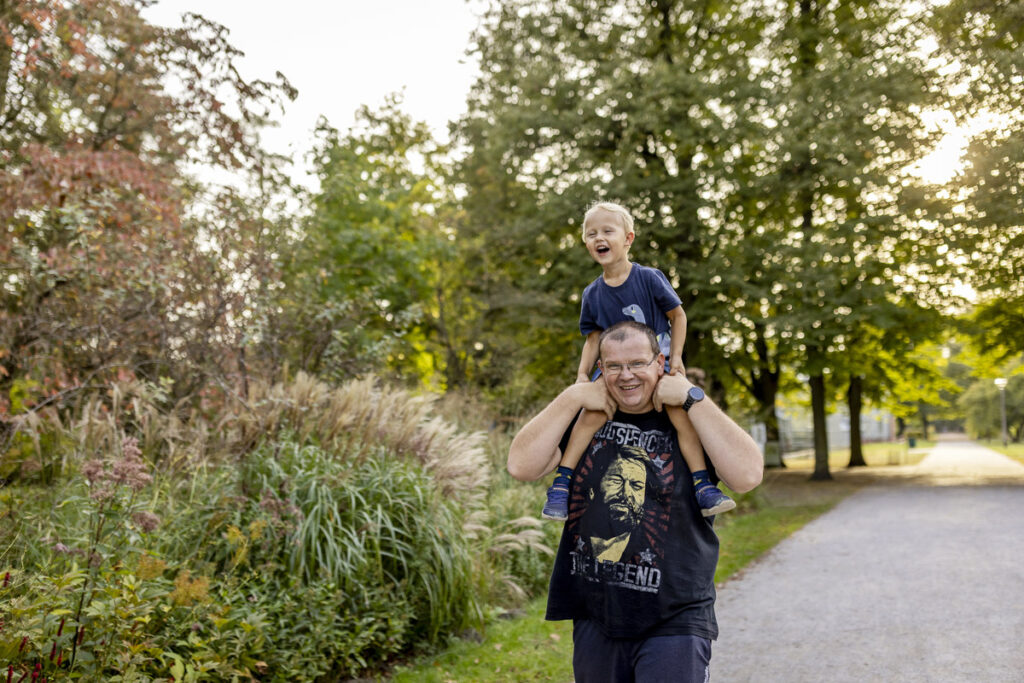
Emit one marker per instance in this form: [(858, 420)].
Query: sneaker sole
[(554, 517), (724, 506)]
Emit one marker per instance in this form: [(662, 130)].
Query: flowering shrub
[(294, 561), (86, 609)]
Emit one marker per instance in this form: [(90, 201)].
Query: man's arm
[(736, 456), (534, 451)]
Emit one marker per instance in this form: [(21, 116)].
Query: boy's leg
[(709, 498), (557, 505)]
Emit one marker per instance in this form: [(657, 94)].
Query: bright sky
[(944, 161), (341, 54)]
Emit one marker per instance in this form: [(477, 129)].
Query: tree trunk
[(772, 444), (853, 402), (924, 421), (764, 383), (821, 472)]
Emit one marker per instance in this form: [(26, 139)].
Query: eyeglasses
[(635, 366)]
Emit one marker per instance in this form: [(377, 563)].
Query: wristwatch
[(692, 396)]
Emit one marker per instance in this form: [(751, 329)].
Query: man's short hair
[(620, 331)]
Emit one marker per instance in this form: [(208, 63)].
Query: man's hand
[(671, 390), (594, 396), (534, 451)]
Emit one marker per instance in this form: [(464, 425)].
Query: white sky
[(341, 54)]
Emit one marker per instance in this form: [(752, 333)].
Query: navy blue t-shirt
[(636, 555), (646, 296)]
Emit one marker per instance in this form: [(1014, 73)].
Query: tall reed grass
[(304, 529)]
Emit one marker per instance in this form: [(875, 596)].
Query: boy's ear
[(630, 236)]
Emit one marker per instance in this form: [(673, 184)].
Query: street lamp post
[(1001, 383)]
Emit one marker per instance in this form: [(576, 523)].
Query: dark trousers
[(658, 659)]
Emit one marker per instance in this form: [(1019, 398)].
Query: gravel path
[(920, 581)]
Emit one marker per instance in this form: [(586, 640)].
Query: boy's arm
[(589, 356), (675, 359)]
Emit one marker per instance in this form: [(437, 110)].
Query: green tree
[(876, 363), (923, 383), (579, 101), (982, 405), (105, 268), (984, 41), (370, 284), (848, 88)]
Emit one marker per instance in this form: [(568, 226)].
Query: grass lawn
[(527, 648), (875, 454), (1013, 450)]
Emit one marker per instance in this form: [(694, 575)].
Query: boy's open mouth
[(603, 250)]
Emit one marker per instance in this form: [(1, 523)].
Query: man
[(635, 566)]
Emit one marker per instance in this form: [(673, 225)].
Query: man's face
[(623, 490), (632, 389)]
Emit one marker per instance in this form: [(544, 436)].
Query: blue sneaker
[(557, 505), (712, 501)]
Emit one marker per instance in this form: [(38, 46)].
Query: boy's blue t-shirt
[(646, 296)]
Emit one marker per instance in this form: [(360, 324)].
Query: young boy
[(628, 291)]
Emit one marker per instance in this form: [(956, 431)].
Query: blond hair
[(611, 207)]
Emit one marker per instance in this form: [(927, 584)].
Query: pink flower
[(130, 447), (101, 493), (131, 468), (146, 521), (93, 469), (128, 470)]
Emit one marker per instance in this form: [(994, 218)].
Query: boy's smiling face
[(607, 239)]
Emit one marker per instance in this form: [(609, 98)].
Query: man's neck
[(637, 411), (616, 273)]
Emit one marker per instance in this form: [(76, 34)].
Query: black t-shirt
[(636, 556)]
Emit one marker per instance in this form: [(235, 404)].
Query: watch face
[(696, 394)]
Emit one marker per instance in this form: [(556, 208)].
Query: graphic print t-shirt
[(636, 556), (646, 296)]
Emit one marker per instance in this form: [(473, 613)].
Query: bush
[(360, 527)]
